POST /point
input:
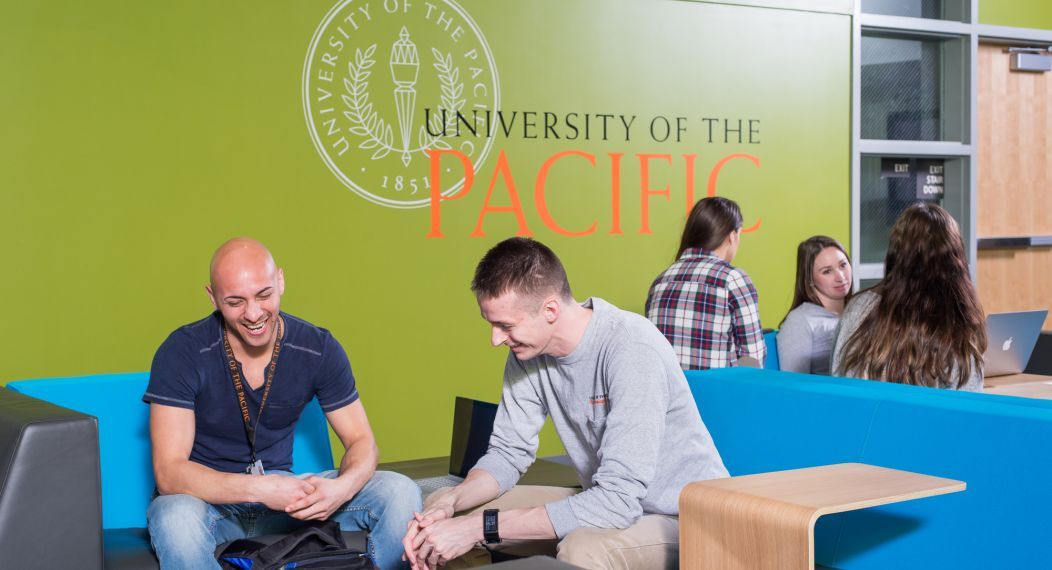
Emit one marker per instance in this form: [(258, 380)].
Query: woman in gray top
[(823, 286), (922, 324)]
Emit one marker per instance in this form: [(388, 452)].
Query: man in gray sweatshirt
[(614, 389)]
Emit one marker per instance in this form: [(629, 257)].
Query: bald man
[(249, 368)]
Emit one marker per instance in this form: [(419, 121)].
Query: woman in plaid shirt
[(707, 308)]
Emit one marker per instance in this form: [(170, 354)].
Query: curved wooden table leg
[(767, 521)]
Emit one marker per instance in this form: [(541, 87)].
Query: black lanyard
[(239, 388)]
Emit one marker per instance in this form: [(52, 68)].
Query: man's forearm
[(523, 524), (189, 478), (478, 488), (358, 466)]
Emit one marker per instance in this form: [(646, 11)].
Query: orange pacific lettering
[(690, 158), (615, 192), (542, 204), (436, 188), (715, 173), (502, 170), (645, 191)]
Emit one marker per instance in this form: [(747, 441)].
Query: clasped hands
[(435, 537), (312, 498)]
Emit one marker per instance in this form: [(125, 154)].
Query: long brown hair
[(928, 323), (710, 221), (806, 253)]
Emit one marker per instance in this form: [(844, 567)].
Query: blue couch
[(771, 340), (761, 420), (127, 483), (765, 420)]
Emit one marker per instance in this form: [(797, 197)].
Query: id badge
[(256, 468)]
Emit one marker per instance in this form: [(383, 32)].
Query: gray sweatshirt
[(805, 340), (624, 413)]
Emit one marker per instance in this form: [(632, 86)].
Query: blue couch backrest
[(771, 340), (124, 437), (769, 421)]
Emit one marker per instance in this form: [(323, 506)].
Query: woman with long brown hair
[(823, 287), (922, 324), (707, 308)]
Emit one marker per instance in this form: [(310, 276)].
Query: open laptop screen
[(1010, 340), (472, 427)]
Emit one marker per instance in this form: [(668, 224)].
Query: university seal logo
[(383, 83)]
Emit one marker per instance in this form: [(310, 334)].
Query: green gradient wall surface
[(1017, 13), (140, 136)]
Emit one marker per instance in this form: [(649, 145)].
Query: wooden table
[(767, 521), (542, 472), (1023, 385), (1039, 390), (1015, 379)]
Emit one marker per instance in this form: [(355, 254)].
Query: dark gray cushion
[(50, 511), (533, 562), (129, 549)]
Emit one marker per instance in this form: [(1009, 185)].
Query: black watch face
[(489, 526)]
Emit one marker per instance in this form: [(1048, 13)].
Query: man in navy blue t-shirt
[(225, 393)]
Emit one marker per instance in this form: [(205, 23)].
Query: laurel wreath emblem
[(366, 121), (452, 101)]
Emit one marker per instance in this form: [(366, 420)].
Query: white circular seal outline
[(320, 147)]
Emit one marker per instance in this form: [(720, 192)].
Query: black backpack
[(314, 545)]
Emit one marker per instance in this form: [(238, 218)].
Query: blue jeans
[(185, 530)]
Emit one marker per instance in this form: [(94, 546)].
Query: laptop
[(472, 427), (1010, 341)]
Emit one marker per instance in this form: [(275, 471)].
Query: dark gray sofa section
[(50, 507)]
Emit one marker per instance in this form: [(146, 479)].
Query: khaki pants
[(652, 543)]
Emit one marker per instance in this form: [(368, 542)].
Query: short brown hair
[(525, 266)]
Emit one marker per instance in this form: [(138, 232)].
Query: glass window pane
[(933, 9), (913, 87), (864, 284), (885, 195)]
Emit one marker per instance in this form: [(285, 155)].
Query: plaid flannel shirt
[(708, 310)]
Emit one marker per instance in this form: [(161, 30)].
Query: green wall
[(1017, 13), (139, 136)]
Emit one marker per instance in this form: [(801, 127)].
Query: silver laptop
[(1010, 341), (472, 427)]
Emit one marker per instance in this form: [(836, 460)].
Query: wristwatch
[(489, 526)]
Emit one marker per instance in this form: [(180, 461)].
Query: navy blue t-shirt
[(190, 371)]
